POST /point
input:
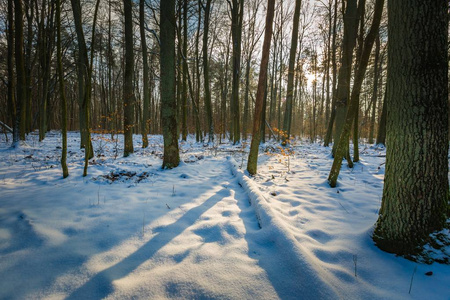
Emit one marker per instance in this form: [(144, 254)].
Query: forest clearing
[(131, 230)]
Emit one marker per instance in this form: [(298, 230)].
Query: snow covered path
[(130, 230), (185, 233)]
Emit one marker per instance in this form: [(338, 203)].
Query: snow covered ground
[(130, 230)]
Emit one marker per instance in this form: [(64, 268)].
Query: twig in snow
[(343, 207), (355, 261), (412, 277)]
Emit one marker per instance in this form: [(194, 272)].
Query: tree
[(168, 98), (416, 190), (208, 104), (84, 84), (343, 84), (20, 71), (145, 78), (11, 85), (128, 93), (341, 144), (237, 16), (252, 164), (290, 85), (61, 91)]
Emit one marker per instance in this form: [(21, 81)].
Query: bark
[(208, 104), (28, 62), (167, 84), (329, 133), (84, 85), (416, 190), (381, 135), (11, 82), (291, 73), (21, 91), (145, 114), (262, 82), (237, 15), (185, 71), (128, 93), (61, 91)]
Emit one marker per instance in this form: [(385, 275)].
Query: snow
[(130, 230)]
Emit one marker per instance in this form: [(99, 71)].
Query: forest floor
[(204, 230)]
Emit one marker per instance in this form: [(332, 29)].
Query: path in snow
[(56, 243)]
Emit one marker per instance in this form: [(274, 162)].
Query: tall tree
[(21, 92), (342, 143), (416, 190), (145, 78), (11, 85), (291, 71), (237, 16), (168, 98), (206, 81), (343, 85), (252, 164), (128, 92), (61, 90), (84, 83), (333, 81), (185, 68), (376, 74)]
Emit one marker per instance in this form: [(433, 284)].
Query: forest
[(224, 149)]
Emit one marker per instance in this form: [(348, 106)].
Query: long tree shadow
[(100, 286)]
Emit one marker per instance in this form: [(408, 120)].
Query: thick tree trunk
[(128, 93), (416, 190), (168, 100), (237, 15), (262, 81)]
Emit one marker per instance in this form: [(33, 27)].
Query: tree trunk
[(262, 82), (128, 93), (184, 96), (342, 143), (416, 190), (168, 100), (343, 85), (208, 104), (237, 15), (145, 117), (375, 89), (83, 81), (11, 82), (291, 73), (20, 71), (61, 91), (381, 135)]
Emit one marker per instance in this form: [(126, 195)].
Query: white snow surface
[(204, 230)]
